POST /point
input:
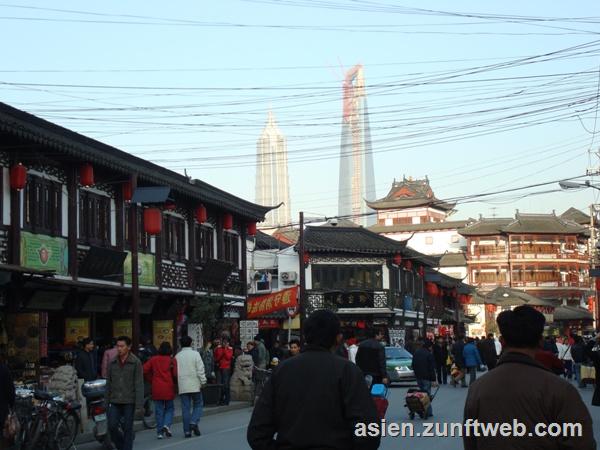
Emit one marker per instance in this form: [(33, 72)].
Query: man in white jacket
[(190, 379)]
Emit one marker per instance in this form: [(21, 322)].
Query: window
[(205, 248), (173, 238), (346, 277), (230, 248), (407, 282), (42, 206), (143, 237), (429, 240), (94, 219)]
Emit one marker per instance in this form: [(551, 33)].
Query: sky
[(481, 97)]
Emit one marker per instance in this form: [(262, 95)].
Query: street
[(228, 430)]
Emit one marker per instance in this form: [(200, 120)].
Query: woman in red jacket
[(161, 372)]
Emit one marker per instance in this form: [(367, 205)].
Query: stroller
[(418, 401)]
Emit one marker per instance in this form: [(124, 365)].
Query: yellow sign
[(295, 323), (122, 327), (162, 331), (76, 329)]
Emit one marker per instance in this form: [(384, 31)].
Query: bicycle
[(261, 376), (149, 418)]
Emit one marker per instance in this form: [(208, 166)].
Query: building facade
[(357, 173), (272, 179), (77, 215)]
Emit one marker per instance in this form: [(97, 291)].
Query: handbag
[(12, 426), (588, 373)]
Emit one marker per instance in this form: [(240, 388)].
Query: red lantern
[(201, 215), (431, 289), (251, 229), (408, 264), (490, 308), (590, 303), (453, 293), (152, 221), (306, 258), (397, 259), (227, 221), (127, 191), (421, 271), (86, 175), (170, 206), (18, 177), (598, 284)]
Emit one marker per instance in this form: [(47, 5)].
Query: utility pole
[(302, 274), (593, 259), (135, 285)]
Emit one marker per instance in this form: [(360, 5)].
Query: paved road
[(228, 431)]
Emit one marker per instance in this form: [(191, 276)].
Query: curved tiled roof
[(523, 223), (410, 194)]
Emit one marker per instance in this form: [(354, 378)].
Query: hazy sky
[(501, 95)]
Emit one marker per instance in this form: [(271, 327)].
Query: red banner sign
[(266, 304), (268, 323)]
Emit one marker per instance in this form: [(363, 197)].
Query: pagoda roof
[(577, 216), (410, 193), (524, 223), (416, 227)]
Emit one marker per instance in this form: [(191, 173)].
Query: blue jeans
[(577, 372), (164, 414), (186, 403), (425, 385), (120, 425), (223, 377)]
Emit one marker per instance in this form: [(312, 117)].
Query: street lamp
[(571, 185)]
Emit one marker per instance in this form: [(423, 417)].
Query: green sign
[(44, 253), (146, 269)]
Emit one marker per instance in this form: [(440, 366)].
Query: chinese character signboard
[(162, 331), (76, 329), (277, 301), (146, 269), (44, 253)]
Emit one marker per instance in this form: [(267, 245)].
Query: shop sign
[(162, 331), (122, 327), (44, 252), (195, 332), (146, 269), (23, 331), (266, 304), (361, 299), (248, 329), (76, 329), (397, 336), (268, 323)]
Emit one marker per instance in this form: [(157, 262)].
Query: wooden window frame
[(40, 216), (173, 238), (144, 239), (94, 219), (205, 243), (231, 248)]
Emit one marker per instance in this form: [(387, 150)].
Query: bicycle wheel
[(34, 436), (149, 418), (66, 431)]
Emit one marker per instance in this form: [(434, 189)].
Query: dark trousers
[(568, 368), (441, 372), (472, 374), (120, 425), (223, 377), (490, 363)]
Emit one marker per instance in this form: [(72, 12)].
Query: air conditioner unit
[(288, 276)]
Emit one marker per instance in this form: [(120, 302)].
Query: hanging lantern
[(306, 258), (201, 215), (152, 221), (227, 221), (590, 303), (598, 284), (490, 308), (453, 293), (431, 289), (170, 206), (18, 177), (421, 271), (127, 191), (251, 229), (86, 175), (408, 264), (397, 259)]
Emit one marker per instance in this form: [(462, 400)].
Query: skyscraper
[(357, 175), (272, 182)]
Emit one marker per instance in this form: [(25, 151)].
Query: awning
[(365, 311), (565, 312), (503, 296)]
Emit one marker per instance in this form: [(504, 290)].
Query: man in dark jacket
[(488, 351), (423, 365), (578, 355), (520, 389), (440, 354), (457, 355), (86, 363), (124, 394), (7, 396), (370, 357), (322, 413)]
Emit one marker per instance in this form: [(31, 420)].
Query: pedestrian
[(423, 364), (352, 349), (440, 354), (191, 376), (277, 351), (594, 355), (263, 354), (341, 349), (550, 361), (370, 357), (550, 345), (520, 389), (324, 416), (107, 357), (223, 359), (7, 398), (86, 362), (564, 354), (472, 359), (459, 361), (488, 351), (124, 394), (161, 372), (146, 349), (208, 359), (251, 350), (294, 347), (579, 357)]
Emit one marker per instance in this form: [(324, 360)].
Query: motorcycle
[(94, 393)]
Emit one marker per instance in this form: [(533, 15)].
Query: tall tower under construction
[(357, 175), (272, 182)]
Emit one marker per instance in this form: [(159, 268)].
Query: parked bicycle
[(261, 377)]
